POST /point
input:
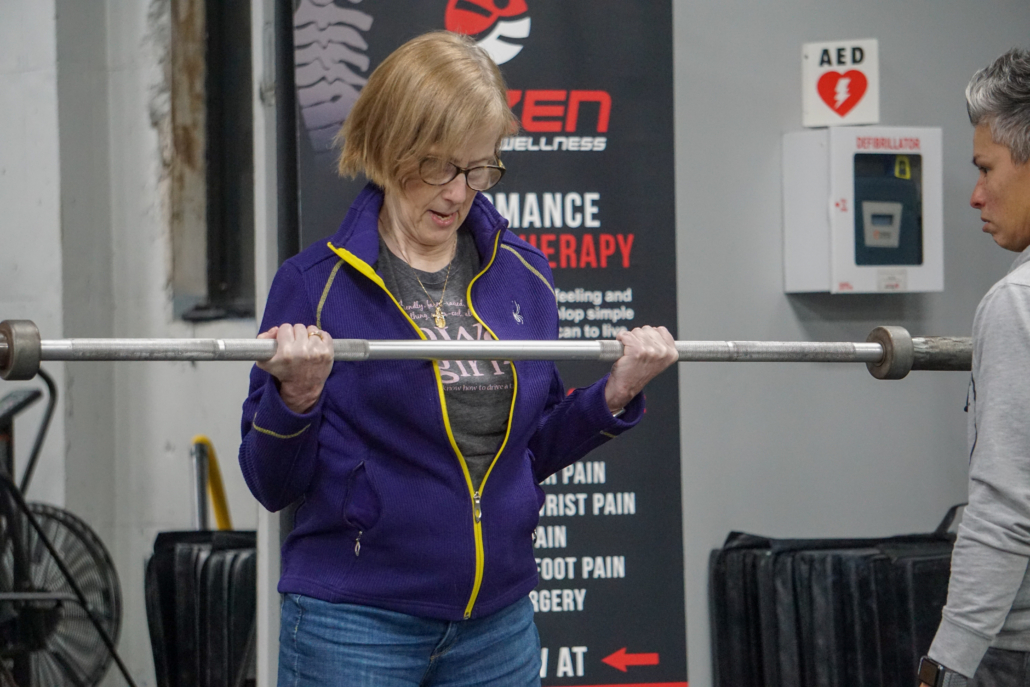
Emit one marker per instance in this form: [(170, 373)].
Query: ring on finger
[(317, 332)]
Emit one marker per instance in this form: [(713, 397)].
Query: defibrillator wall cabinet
[(862, 210)]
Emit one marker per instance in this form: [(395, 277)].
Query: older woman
[(412, 555)]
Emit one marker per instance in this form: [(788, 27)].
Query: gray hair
[(999, 96)]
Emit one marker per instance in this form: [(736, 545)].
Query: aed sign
[(840, 83)]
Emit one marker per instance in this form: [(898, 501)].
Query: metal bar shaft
[(200, 469), (361, 349)]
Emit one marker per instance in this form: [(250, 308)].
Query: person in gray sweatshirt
[(984, 635)]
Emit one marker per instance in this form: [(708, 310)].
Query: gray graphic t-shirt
[(478, 393)]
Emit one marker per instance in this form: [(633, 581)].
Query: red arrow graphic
[(620, 659)]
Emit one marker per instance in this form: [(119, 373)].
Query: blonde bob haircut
[(434, 92)]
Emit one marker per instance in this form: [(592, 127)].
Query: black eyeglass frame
[(463, 170)]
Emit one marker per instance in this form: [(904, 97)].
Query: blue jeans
[(327, 644)]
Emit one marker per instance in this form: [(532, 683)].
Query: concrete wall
[(807, 450)]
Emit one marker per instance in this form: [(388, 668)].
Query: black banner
[(590, 183)]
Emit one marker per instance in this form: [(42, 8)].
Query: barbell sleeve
[(20, 355), (890, 352), (944, 353)]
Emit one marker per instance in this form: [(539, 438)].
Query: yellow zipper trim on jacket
[(325, 293), (515, 377), (477, 496), (533, 270), (366, 269)]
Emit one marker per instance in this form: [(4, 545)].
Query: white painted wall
[(159, 407), (85, 252), (781, 450), (809, 450), (88, 302), (266, 261), (30, 234)]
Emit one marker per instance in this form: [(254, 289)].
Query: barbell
[(889, 352)]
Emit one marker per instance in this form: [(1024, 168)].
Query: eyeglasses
[(437, 172)]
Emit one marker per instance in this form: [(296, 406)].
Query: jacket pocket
[(361, 504)]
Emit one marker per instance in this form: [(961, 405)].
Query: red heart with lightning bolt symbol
[(841, 92)]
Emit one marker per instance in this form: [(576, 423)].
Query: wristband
[(934, 674)]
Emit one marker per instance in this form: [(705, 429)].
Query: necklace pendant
[(438, 318)]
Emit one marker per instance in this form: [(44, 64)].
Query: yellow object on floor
[(215, 487)]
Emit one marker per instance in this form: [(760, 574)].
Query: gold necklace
[(438, 317)]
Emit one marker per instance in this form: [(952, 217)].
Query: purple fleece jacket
[(387, 514)]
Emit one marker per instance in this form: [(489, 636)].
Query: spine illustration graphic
[(329, 60)]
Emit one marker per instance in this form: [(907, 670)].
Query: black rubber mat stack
[(826, 612), (201, 608)]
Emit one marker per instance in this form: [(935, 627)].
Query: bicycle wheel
[(57, 638)]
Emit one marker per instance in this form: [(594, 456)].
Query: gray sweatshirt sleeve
[(993, 545)]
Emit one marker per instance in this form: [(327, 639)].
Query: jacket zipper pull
[(357, 544), (477, 509)]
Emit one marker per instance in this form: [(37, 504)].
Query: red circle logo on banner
[(841, 92), (473, 17)]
